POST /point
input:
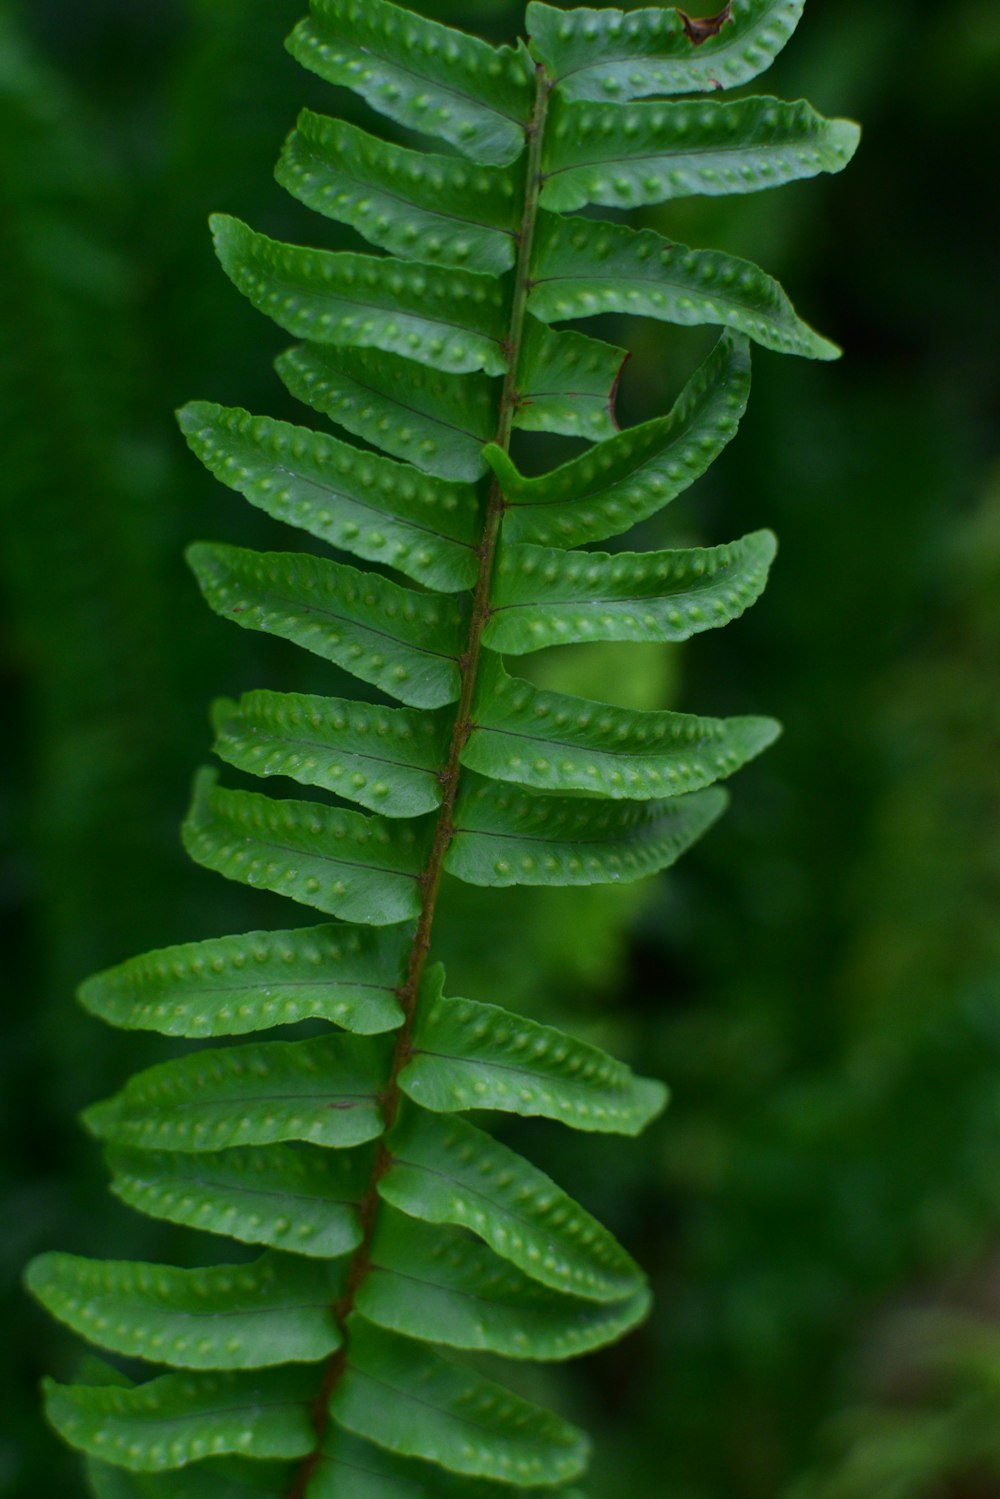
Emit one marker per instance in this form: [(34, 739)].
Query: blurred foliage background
[(819, 982)]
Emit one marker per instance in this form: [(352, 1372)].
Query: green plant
[(388, 1222)]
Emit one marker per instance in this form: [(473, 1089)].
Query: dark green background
[(819, 982)]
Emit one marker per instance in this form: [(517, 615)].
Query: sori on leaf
[(392, 1233)]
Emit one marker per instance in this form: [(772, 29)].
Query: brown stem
[(430, 880)]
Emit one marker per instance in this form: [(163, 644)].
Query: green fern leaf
[(452, 320), (276, 1310), (555, 742), (583, 267), (567, 383), (405, 642), (422, 74), (412, 1401), (325, 1091), (179, 1418), (440, 1285), (438, 422), (468, 1055), (506, 837), (430, 208), (344, 863), (387, 759), (380, 510), (388, 1222), (444, 1170), (545, 597), (624, 156), (229, 986), (635, 473), (302, 1201), (373, 1473), (611, 54)]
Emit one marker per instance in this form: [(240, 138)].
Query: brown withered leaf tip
[(698, 30)]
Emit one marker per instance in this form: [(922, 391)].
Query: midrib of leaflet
[(430, 879)]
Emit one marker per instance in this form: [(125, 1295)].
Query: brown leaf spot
[(698, 30)]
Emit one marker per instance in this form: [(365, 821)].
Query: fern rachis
[(392, 1228)]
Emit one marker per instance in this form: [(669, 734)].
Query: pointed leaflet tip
[(634, 155)]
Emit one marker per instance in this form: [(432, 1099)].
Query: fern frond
[(430, 208), (468, 1055), (585, 267), (405, 642), (179, 1418), (343, 863), (276, 1310), (445, 1170), (391, 1227), (379, 510), (652, 153), (324, 1090), (566, 383), (618, 55), (547, 597), (402, 1396), (440, 1285), (422, 74), (635, 473), (386, 759), (450, 319), (229, 986), (556, 742), (439, 422), (305, 1202)]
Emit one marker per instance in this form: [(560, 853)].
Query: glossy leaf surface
[(555, 742), (388, 759), (228, 986), (450, 319), (584, 267), (324, 1090), (468, 1055), (442, 1285), (513, 837), (369, 1472), (275, 1310), (404, 642), (626, 156), (567, 383), (422, 74), (544, 597), (634, 473), (436, 209), (438, 422), (343, 863), (410, 1400), (180, 1418), (301, 1201), (380, 510), (613, 54), (444, 1170)]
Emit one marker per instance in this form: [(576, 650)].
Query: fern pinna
[(394, 1231)]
